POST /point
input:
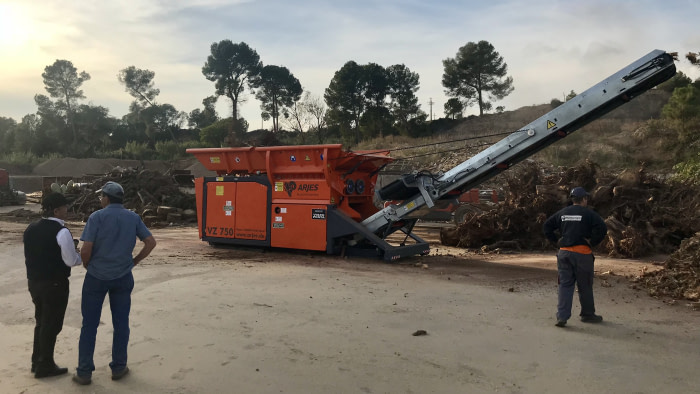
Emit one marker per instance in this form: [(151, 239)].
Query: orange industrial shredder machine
[(309, 197)]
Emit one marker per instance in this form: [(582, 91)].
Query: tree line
[(362, 101)]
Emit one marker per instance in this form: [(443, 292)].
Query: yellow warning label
[(219, 190), (215, 160), (550, 124), (279, 186)]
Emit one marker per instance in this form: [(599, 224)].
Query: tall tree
[(157, 118), (139, 84), (454, 108), (62, 81), (96, 125), (299, 119), (370, 100), (233, 67), (476, 71), (403, 85), (51, 123), (7, 129), (317, 111), (30, 137), (345, 99), (214, 135), (202, 118), (161, 119), (375, 86), (277, 89)]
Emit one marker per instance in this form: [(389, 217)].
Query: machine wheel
[(463, 211)]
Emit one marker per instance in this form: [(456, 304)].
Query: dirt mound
[(68, 166), (21, 215), (198, 170), (72, 167)]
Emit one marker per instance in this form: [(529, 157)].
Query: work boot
[(82, 380), (592, 318), (120, 374), (45, 373), (561, 323)]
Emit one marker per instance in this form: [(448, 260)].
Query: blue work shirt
[(113, 231)]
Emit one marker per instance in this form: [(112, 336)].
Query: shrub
[(138, 151)]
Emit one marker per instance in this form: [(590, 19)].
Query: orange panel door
[(220, 218), (298, 226), (251, 211)]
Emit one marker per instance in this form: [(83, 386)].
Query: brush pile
[(644, 214), (155, 196)]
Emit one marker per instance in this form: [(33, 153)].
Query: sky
[(550, 47)]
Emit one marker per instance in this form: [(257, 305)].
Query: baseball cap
[(578, 192), (112, 189), (53, 200)]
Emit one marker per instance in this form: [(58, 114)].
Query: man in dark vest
[(49, 253)]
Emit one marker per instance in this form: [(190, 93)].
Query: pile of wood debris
[(679, 277), (153, 195), (645, 215)]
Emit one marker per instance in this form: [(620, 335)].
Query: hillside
[(618, 140)]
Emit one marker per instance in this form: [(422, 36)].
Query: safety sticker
[(219, 190), (277, 225), (228, 209), (307, 158), (278, 218), (279, 186), (215, 159), (550, 124)]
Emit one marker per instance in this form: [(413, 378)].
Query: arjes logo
[(290, 187)]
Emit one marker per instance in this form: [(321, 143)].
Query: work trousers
[(575, 269), (50, 298), (94, 292)]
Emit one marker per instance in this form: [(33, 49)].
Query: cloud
[(551, 47)]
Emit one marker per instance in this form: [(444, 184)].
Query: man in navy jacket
[(581, 230)]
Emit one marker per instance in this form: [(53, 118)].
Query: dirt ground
[(209, 320)]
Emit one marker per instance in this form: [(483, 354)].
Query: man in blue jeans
[(581, 230), (109, 238)]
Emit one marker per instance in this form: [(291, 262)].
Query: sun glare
[(14, 26)]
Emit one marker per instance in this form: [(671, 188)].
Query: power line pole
[(431, 108)]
